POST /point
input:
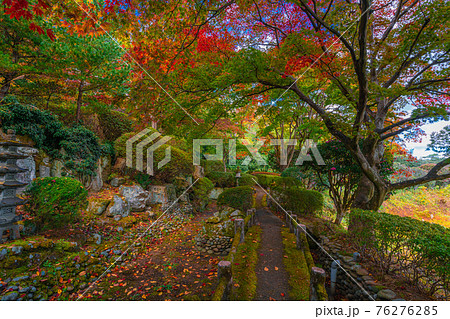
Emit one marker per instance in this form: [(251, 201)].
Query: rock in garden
[(362, 272), (10, 297), (17, 249), (97, 206), (98, 239), (136, 196), (215, 192), (117, 181), (119, 207), (3, 253), (386, 294)]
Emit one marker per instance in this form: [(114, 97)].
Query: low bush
[(298, 200), (55, 201), (114, 123), (76, 146), (222, 179), (179, 165), (201, 190), (213, 166), (419, 251), (266, 180), (240, 197), (247, 180), (286, 182)]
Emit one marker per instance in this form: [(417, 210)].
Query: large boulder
[(162, 194), (136, 196), (118, 208), (97, 206), (214, 194), (96, 182), (45, 167)]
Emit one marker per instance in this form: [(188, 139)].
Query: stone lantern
[(9, 184)]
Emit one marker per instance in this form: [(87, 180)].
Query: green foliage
[(240, 197), (294, 172), (179, 165), (440, 141), (120, 145), (299, 200), (417, 250), (80, 150), (247, 180), (213, 166), (222, 179), (201, 190), (266, 180), (285, 182), (114, 123), (56, 201), (78, 147)]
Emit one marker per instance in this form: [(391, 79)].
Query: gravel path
[(272, 278)]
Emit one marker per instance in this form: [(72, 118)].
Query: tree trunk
[(339, 216), (4, 90)]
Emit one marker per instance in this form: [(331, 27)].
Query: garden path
[(273, 279)]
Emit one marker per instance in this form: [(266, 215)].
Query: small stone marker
[(239, 226), (317, 279), (224, 269)]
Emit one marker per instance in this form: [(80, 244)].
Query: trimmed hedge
[(247, 180), (266, 180), (240, 197), (55, 201), (222, 179), (417, 250), (286, 182), (114, 123), (213, 166), (179, 165), (298, 200)]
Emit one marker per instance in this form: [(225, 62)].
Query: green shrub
[(77, 147), (222, 179), (80, 150), (285, 182), (114, 123), (240, 197), (179, 165), (266, 180), (247, 180), (201, 190), (213, 166), (294, 172), (55, 201), (417, 250), (299, 200)]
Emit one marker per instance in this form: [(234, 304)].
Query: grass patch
[(244, 265), (296, 266)]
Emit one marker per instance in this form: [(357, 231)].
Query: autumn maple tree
[(382, 67)]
